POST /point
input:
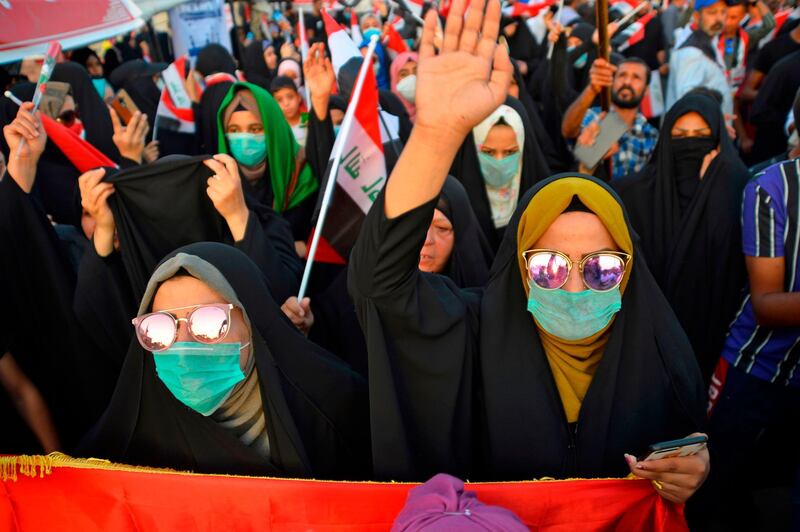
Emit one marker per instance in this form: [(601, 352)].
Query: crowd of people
[(510, 310)]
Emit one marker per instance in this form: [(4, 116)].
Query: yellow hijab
[(572, 362)]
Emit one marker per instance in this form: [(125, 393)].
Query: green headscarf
[(282, 148)]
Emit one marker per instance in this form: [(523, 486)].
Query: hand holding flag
[(53, 52)]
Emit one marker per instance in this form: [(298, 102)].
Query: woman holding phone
[(569, 358)]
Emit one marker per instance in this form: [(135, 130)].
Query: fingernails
[(630, 459)]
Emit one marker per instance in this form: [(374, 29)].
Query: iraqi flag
[(80, 153), (342, 47), (394, 42), (359, 180), (528, 8), (355, 28), (634, 33), (175, 111)]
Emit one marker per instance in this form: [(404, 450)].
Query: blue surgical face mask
[(581, 61), (573, 315), (250, 149), (499, 172), (336, 129), (201, 376)]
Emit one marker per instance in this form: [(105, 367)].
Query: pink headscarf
[(394, 71)]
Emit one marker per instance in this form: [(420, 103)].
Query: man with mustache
[(628, 83), (696, 62)]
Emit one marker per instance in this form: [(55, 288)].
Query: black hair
[(638, 61), (714, 94), (282, 82)]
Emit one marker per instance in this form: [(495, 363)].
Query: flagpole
[(304, 53), (347, 125)]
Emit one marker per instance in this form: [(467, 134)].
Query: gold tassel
[(30, 466)]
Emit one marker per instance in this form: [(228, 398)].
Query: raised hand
[(130, 139), (225, 191), (469, 78), (319, 78), (94, 200), (456, 89), (22, 164)]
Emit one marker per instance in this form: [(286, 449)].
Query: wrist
[(103, 240), (237, 223), (23, 171), (444, 140), (133, 155), (320, 105)]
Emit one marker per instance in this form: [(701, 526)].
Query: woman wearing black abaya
[(256, 69), (495, 196), (38, 286), (277, 404), (685, 204), (467, 381), (454, 247), (92, 109)]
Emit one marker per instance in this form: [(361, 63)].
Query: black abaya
[(460, 383), (694, 252), (315, 407)]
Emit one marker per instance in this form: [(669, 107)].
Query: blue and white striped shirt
[(770, 228)]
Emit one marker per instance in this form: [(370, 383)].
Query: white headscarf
[(502, 200)]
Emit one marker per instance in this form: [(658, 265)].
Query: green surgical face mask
[(201, 376), (573, 315), (250, 149), (499, 172)]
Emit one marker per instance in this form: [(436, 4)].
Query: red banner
[(68, 494)]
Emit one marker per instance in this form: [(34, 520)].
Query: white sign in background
[(196, 24)]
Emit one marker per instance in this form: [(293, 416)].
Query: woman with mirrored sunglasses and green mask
[(216, 380), (566, 364)]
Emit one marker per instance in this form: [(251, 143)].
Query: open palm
[(469, 77)]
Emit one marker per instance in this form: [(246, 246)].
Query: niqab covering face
[(690, 227)]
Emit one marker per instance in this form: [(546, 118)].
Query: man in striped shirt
[(760, 396)]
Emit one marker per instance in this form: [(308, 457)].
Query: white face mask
[(407, 87)]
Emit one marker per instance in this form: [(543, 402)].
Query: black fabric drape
[(162, 206), (467, 170), (459, 381), (91, 107), (315, 407), (696, 255)]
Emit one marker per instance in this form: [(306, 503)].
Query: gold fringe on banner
[(39, 465), (30, 466)]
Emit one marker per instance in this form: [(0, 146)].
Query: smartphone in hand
[(674, 448)]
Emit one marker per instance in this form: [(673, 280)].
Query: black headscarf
[(91, 107), (315, 407), (255, 69), (471, 258), (690, 228), (206, 115), (459, 380), (136, 77), (467, 170), (215, 58)]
